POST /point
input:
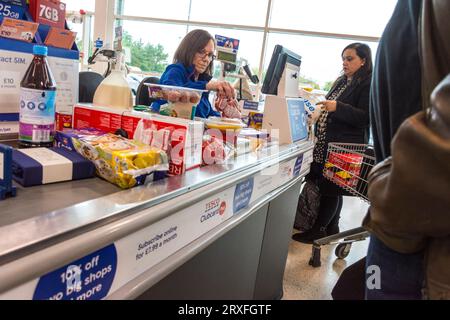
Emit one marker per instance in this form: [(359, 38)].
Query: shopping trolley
[(348, 166)]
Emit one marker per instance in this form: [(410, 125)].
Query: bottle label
[(37, 115)]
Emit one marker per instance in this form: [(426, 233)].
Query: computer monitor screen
[(280, 57)]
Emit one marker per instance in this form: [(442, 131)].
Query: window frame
[(266, 29)]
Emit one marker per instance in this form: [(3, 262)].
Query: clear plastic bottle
[(114, 91), (37, 102)]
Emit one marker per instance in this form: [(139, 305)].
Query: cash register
[(284, 112)]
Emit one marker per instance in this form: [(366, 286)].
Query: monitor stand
[(284, 114), (285, 118)]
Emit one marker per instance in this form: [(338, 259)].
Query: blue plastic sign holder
[(6, 187)]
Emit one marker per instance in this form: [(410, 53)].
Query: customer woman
[(192, 68), (345, 118)]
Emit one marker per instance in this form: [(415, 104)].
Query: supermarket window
[(321, 57), (248, 12), (166, 9), (250, 45), (359, 17), (151, 45), (83, 25), (77, 5)]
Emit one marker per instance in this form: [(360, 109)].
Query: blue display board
[(13, 8), (17, 9), (88, 278), (242, 195), (298, 119)]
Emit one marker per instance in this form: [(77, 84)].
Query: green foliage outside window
[(147, 57)]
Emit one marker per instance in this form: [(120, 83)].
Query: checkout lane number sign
[(88, 278)]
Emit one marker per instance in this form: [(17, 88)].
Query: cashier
[(192, 68)]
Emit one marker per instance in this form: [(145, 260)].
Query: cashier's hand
[(328, 105), (223, 88)]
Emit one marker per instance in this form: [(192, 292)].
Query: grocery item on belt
[(123, 162), (37, 166), (255, 120), (224, 124), (215, 151), (64, 138), (229, 108), (180, 138)]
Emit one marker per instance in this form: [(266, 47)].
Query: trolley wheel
[(342, 250), (314, 261)]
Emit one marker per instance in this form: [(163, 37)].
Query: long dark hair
[(364, 53), (194, 42)]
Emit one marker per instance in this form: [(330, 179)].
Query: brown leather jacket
[(410, 191)]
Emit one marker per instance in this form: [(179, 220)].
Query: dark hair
[(363, 52), (194, 42)]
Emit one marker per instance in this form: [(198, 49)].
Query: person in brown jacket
[(409, 192)]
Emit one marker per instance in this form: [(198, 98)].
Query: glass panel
[(361, 17), (76, 5), (168, 9), (249, 47), (78, 28), (152, 45), (248, 12), (321, 57)]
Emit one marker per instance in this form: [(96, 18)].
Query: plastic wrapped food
[(229, 108), (181, 102), (224, 124), (123, 162), (175, 94), (215, 151)]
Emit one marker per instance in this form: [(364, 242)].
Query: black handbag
[(308, 206)]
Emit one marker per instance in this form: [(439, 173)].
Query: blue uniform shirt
[(179, 75)]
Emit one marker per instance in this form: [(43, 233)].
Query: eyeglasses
[(204, 54)]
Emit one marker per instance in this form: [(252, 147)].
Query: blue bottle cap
[(40, 50)]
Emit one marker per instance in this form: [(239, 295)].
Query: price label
[(51, 13), (9, 82)]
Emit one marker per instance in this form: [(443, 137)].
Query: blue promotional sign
[(89, 278), (229, 44), (298, 166), (12, 9), (251, 105), (297, 119), (98, 43), (19, 3), (242, 195)]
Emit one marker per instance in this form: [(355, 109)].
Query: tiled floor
[(303, 282)]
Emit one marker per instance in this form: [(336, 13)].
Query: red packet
[(50, 12), (60, 38), (18, 29)]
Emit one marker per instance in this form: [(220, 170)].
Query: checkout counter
[(217, 232)]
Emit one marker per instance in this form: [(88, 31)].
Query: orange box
[(18, 29), (60, 38)]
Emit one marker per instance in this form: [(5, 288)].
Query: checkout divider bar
[(39, 255)]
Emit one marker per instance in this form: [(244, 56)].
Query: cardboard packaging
[(181, 138), (39, 166), (344, 169)]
